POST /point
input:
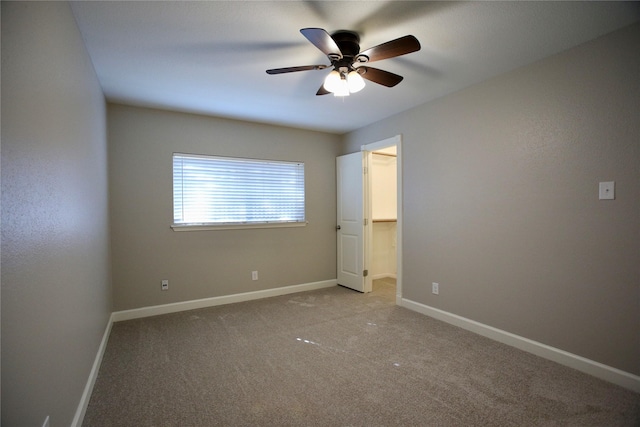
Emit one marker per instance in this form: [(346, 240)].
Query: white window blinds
[(210, 191)]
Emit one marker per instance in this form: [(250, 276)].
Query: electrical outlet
[(607, 190), (165, 285), (435, 288), (254, 275)]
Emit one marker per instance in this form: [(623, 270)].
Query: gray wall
[(56, 296), (501, 200), (201, 264)]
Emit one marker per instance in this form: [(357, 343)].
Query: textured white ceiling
[(210, 57)]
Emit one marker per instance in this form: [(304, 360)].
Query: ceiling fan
[(343, 50)]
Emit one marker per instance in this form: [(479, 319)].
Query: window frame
[(203, 226)]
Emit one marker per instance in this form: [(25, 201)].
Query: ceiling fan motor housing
[(348, 42)]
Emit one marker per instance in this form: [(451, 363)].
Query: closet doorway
[(369, 216), (384, 216), (383, 199)]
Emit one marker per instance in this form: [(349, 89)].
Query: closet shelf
[(385, 220)]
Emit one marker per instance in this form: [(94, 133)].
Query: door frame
[(397, 141)]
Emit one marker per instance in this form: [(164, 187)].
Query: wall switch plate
[(254, 275), (435, 288), (165, 285), (607, 190)]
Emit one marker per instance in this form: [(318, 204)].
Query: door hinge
[(365, 273), (365, 170), (366, 221)]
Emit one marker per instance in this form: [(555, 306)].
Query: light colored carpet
[(334, 357)]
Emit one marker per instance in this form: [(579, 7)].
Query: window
[(226, 192)]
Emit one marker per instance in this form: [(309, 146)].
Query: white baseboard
[(93, 375), (156, 310), (599, 370), (383, 276)]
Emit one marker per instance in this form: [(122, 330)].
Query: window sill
[(209, 227)]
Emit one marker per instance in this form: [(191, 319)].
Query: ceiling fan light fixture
[(342, 89), (333, 81), (355, 82)]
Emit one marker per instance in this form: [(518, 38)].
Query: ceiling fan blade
[(293, 69), (322, 40), (390, 49), (322, 91), (384, 78)]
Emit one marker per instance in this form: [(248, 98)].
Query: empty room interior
[(218, 213)]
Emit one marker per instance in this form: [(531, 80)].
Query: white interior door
[(351, 221)]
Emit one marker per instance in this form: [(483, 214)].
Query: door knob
[(338, 227)]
